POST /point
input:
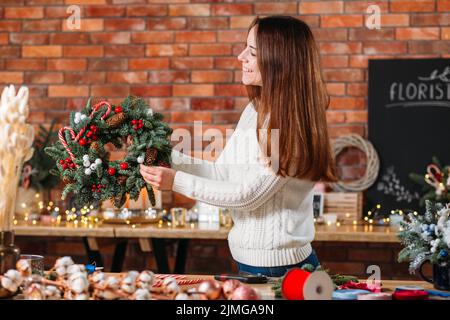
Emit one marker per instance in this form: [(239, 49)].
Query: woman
[(272, 197)]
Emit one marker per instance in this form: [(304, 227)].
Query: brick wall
[(181, 56)]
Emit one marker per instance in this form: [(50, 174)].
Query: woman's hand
[(161, 178)]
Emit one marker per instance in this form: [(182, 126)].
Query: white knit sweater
[(272, 215)]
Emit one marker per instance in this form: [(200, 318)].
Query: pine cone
[(150, 156), (96, 146), (119, 201), (116, 120), (122, 179)]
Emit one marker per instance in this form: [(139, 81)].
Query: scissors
[(433, 176)]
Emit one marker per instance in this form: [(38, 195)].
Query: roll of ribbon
[(348, 294), (410, 295), (299, 284), (375, 296)]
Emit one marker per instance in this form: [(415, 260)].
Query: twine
[(373, 163)]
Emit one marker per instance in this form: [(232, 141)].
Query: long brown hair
[(292, 98)]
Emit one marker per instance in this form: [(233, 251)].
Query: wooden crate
[(347, 205)]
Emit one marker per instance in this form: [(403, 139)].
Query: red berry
[(136, 127), (72, 165), (111, 171), (133, 121), (61, 162), (89, 134), (68, 160), (94, 137), (92, 127), (64, 166), (82, 142), (124, 166), (118, 109)]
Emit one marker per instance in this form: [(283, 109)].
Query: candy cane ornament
[(94, 110), (63, 140)]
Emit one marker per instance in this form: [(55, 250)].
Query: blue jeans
[(277, 271)]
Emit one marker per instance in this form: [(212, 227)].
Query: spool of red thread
[(410, 295), (299, 284)]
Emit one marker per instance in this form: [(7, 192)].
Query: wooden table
[(154, 237)]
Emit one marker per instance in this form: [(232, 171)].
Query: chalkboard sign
[(409, 123)]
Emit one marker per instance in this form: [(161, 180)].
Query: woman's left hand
[(161, 178)]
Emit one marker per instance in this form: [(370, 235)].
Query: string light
[(355, 222)]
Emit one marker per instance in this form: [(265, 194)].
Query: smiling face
[(250, 71)]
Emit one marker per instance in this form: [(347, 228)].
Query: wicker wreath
[(83, 162), (373, 163)]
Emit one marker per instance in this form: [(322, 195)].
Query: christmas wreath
[(83, 161)]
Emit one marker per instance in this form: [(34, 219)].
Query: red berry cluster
[(137, 124), (97, 187), (67, 164), (92, 133)]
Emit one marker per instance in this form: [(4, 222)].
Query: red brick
[(341, 21), (232, 36), (357, 89), (192, 63), (57, 12), (430, 19), (107, 64), (335, 89), (169, 50), (28, 38), (417, 33), (86, 25), (41, 51), (126, 77), (189, 90), (394, 20), (237, 49), (110, 37), (10, 26), (169, 103), (429, 47), (24, 13), (342, 130), (312, 21), (208, 23), (83, 2), (191, 116), (356, 116), (152, 37), (84, 77), (69, 38), (124, 51), (67, 91), (44, 77), (45, 104), (388, 47), (231, 9), (124, 24), (149, 63), (276, 8), (227, 63), (212, 76), (104, 11), (41, 25), (189, 10), (11, 77), (412, 5), (361, 61), (83, 51), (9, 51), (195, 36), (366, 34), (210, 49), (335, 116), (226, 90), (340, 47), (443, 5), (321, 7), (241, 22), (66, 64), (361, 6), (346, 75), (329, 34), (168, 76), (147, 10), (445, 33), (25, 64), (334, 61), (110, 91), (166, 23), (226, 117), (152, 90), (346, 103)]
